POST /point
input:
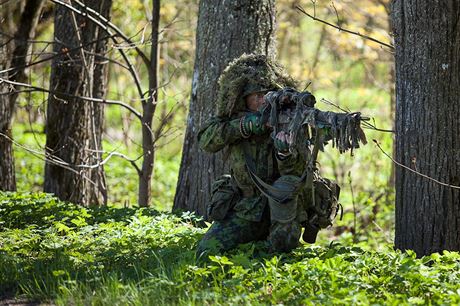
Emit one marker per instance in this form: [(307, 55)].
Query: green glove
[(282, 142), (251, 124)]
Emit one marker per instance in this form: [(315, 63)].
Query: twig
[(104, 101), (354, 207), (110, 25), (328, 102), (366, 124), (49, 158), (106, 25), (370, 126), (314, 7), (85, 71), (343, 29), (414, 171), (387, 236), (336, 13), (59, 162), (110, 155), (32, 41), (59, 54)]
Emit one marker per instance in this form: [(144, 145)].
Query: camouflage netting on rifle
[(344, 129), (248, 71), (294, 112)]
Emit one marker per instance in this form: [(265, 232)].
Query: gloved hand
[(251, 124), (282, 142)]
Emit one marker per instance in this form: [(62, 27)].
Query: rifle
[(294, 112), (309, 129)]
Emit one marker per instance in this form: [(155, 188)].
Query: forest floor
[(57, 253)]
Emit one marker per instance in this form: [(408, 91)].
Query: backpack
[(324, 202)]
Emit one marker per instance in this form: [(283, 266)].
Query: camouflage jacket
[(224, 133)]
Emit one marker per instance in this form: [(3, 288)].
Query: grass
[(58, 252)]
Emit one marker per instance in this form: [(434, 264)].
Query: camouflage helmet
[(247, 74)]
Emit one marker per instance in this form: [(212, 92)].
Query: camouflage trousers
[(233, 230)]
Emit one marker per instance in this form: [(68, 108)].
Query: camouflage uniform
[(250, 217)]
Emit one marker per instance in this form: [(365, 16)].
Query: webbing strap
[(267, 190), (270, 191)]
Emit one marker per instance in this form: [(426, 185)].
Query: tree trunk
[(7, 175), (148, 110), (13, 54), (427, 41), (225, 30), (74, 126)]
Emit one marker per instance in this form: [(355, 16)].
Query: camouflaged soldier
[(240, 211)]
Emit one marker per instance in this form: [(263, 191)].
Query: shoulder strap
[(267, 190), (272, 192)]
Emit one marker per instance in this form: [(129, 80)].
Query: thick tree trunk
[(13, 54), (427, 37), (226, 29), (74, 126)]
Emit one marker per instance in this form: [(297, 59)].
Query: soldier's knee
[(283, 203), (284, 237)]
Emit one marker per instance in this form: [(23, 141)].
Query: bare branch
[(165, 120), (336, 13), (85, 71), (49, 158), (114, 153), (314, 7), (338, 27), (104, 101), (144, 57), (106, 25), (412, 170), (59, 162), (364, 121), (58, 54), (328, 102)]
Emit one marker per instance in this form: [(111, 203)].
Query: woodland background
[(119, 253), (350, 71)]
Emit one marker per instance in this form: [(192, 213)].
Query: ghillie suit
[(268, 195), (246, 74)]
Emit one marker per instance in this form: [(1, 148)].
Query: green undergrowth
[(58, 252)]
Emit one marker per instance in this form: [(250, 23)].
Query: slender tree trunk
[(74, 126), (427, 41), (149, 107), (391, 179), (13, 54), (226, 29)]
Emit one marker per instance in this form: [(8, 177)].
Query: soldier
[(240, 210)]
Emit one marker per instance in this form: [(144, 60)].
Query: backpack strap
[(267, 190), (274, 193)]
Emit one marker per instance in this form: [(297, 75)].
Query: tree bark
[(13, 54), (226, 29), (427, 41), (74, 126)]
